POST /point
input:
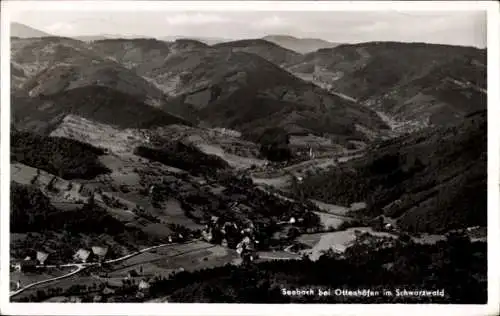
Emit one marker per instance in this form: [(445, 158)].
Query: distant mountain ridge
[(203, 39), (24, 31), (265, 49), (30, 56), (300, 45), (101, 104), (61, 78), (213, 81), (409, 81), (268, 82)]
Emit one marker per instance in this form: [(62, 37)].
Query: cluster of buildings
[(81, 255), (30, 264), (219, 232)]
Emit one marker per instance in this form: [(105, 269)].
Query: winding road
[(82, 266)]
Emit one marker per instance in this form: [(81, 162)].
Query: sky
[(456, 28)]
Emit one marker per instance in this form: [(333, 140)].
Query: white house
[(143, 285), (41, 257)]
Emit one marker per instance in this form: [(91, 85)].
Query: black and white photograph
[(198, 154)]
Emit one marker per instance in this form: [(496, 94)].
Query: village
[(237, 233), (239, 216)]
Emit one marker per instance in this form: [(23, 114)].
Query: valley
[(142, 169)]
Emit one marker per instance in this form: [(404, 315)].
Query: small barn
[(82, 255), (41, 257), (100, 252)]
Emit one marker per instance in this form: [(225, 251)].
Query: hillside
[(65, 77), (151, 171), (37, 225), (206, 40), (299, 45), (24, 31), (102, 104), (212, 81), (64, 157), (447, 265), (407, 81), (268, 50), (145, 58), (90, 38), (17, 75), (187, 44), (33, 55), (203, 82), (431, 181), (185, 157), (131, 52)]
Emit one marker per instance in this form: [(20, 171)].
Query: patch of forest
[(182, 156), (63, 157)]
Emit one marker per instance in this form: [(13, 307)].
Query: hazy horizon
[(464, 28)]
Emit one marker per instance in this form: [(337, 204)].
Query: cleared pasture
[(330, 220), (26, 278), (338, 241)]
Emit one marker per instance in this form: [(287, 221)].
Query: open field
[(277, 255), (331, 208), (338, 241), (238, 153), (170, 212), (330, 220), (235, 161), (31, 277), (278, 182)]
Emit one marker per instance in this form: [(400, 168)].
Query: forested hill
[(433, 181)]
